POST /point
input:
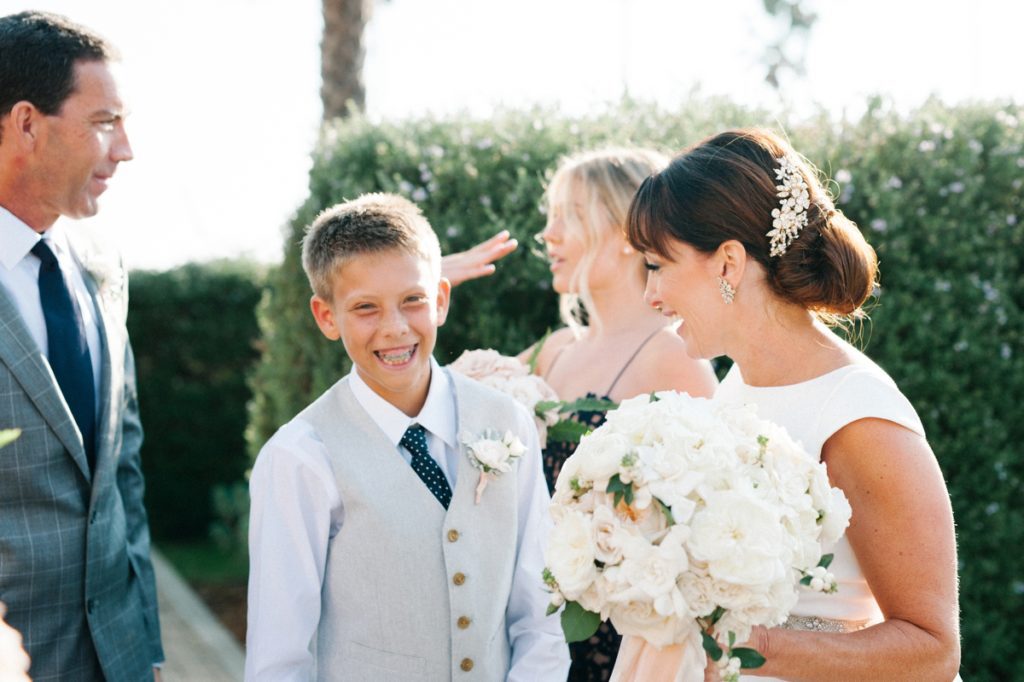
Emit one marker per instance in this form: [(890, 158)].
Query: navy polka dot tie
[(415, 441)]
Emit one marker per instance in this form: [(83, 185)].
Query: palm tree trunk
[(341, 56)]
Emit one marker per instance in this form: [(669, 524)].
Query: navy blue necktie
[(415, 441), (68, 348)]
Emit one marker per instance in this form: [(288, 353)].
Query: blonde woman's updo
[(725, 188), (602, 182)]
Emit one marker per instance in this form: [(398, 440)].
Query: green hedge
[(937, 192), (193, 330)]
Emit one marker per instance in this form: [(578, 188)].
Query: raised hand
[(479, 260)]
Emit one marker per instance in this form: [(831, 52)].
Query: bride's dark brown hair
[(724, 188)]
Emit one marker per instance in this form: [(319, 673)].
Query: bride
[(745, 246)]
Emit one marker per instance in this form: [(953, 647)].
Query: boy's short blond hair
[(372, 223)]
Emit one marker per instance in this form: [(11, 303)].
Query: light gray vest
[(412, 592)]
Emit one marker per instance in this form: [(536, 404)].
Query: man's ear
[(444, 298), (22, 125), (324, 317)]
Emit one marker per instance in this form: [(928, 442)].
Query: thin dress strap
[(558, 354), (630, 361)]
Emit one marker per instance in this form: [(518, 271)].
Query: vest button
[(463, 622), (467, 664), (453, 535), (459, 578)]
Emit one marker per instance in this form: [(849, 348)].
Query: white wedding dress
[(812, 411)]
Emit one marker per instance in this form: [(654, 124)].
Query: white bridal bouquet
[(688, 521)]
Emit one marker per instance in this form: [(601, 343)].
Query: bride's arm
[(902, 534)]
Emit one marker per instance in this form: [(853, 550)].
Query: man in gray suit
[(75, 570)]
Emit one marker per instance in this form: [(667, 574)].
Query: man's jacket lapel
[(24, 359)]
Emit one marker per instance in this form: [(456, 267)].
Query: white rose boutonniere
[(491, 453), (104, 266)]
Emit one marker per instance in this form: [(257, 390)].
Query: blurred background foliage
[(937, 191)]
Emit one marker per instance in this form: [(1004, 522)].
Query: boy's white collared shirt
[(297, 509), (437, 417)]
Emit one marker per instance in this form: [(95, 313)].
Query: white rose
[(570, 554), (609, 535), (652, 569), (514, 445), (740, 538), (836, 518), (487, 363), (599, 457), (640, 619), (492, 454)]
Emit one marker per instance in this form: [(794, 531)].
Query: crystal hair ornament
[(794, 199)]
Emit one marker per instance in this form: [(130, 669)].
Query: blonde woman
[(613, 345)]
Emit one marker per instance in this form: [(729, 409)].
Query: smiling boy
[(370, 558)]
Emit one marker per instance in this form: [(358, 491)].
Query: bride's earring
[(727, 290)]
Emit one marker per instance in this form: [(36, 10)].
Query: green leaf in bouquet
[(567, 431), (716, 615), (711, 646), (667, 511), (531, 362), (620, 490), (8, 436), (552, 608), (544, 405), (578, 624), (749, 658), (588, 405), (806, 580), (826, 560)]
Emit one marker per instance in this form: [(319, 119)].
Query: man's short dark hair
[(38, 52)]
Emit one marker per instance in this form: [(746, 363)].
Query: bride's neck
[(786, 348)]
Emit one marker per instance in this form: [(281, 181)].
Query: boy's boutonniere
[(492, 454)]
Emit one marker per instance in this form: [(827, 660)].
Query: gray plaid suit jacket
[(75, 571)]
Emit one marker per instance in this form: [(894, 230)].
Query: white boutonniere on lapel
[(104, 267), (491, 453)]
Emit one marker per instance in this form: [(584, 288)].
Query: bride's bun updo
[(725, 188)]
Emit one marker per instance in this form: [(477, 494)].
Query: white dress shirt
[(297, 509), (19, 275)]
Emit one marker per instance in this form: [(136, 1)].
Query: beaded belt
[(817, 624)]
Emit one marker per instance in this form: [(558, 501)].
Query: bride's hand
[(758, 641)]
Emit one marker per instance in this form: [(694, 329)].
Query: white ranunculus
[(570, 554)]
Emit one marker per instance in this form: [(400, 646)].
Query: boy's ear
[(324, 317), (444, 297)]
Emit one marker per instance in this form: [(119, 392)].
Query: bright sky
[(225, 93)]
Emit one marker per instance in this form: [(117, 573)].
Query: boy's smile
[(386, 309)]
